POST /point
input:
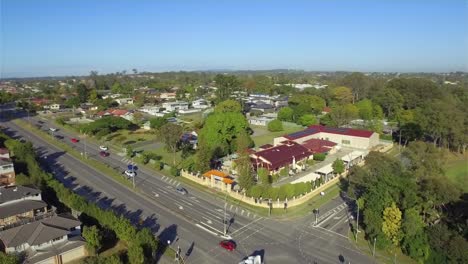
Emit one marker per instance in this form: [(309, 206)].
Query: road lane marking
[(186, 202), (247, 225), (206, 229), (178, 184), (230, 208), (248, 214), (155, 194), (242, 212)]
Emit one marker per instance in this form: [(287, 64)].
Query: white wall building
[(175, 106)]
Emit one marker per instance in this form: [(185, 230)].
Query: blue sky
[(40, 38)]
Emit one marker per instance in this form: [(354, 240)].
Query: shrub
[(175, 171), (320, 156), (284, 172), (272, 193), (256, 191), (275, 126), (263, 176)]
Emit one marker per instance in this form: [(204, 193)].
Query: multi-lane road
[(194, 221)]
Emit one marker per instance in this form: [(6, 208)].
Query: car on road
[(58, 136), (104, 148), (53, 129), (74, 140), (130, 173), (181, 190), (103, 153), (40, 122), (228, 245)]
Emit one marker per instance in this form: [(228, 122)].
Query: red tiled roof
[(282, 155), (332, 130), (318, 145), (326, 109), (266, 146), (4, 151)]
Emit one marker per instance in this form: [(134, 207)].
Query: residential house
[(175, 106), (39, 101), (20, 204), (167, 96), (260, 121), (262, 108), (4, 153), (287, 154), (200, 104), (117, 112), (51, 240), (7, 172), (112, 96), (348, 137), (54, 107), (124, 101)]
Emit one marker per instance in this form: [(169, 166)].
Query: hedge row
[(284, 191), (142, 239)]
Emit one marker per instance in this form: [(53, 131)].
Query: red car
[(74, 140), (104, 153), (228, 245)]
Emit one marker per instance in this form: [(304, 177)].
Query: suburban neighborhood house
[(51, 240), (274, 159), (7, 170), (20, 204), (347, 137)]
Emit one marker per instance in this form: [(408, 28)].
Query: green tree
[(157, 122), (263, 176), (286, 114), (275, 126), (220, 131), (392, 223), (390, 100), (414, 242), (308, 120), (342, 95), (135, 254), (226, 84), (338, 166), (343, 114), (93, 238), (170, 134), (365, 108), (82, 93), (228, 106), (8, 259), (359, 84), (203, 157)]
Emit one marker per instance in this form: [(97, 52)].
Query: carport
[(325, 171)]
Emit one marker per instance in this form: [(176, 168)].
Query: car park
[(181, 190), (74, 140), (104, 154), (228, 245), (104, 148)]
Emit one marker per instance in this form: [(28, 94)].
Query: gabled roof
[(11, 193), (331, 130), (4, 161), (282, 155), (20, 207), (318, 145), (38, 232)]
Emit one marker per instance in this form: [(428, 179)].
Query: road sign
[(130, 166)]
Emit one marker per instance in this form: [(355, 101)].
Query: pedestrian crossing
[(128, 161)]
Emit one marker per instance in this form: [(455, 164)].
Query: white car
[(52, 129), (103, 148), (130, 173)]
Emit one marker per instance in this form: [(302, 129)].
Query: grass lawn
[(266, 137), (382, 256), (457, 170), (167, 157)]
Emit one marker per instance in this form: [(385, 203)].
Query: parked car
[(104, 154), (104, 148), (181, 190), (53, 129), (130, 173), (74, 140), (228, 245), (58, 136)]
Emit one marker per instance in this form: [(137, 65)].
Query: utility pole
[(399, 143), (133, 173), (373, 251), (269, 206), (224, 220), (357, 220), (84, 142)]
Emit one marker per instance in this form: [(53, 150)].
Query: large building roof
[(11, 193), (38, 232), (331, 130), (283, 155)]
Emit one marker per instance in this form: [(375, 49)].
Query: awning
[(352, 156), (325, 169)]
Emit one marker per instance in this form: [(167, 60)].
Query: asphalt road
[(194, 220)]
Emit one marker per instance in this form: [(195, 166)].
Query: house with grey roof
[(51, 240), (20, 204)]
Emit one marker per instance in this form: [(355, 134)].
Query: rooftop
[(4, 161), (20, 207), (318, 145), (11, 193), (284, 154), (332, 130), (38, 232)]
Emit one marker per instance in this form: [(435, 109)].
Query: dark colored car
[(104, 154), (181, 190), (74, 140), (228, 245), (58, 137)]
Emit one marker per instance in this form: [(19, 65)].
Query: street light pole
[(357, 220), (224, 220), (133, 173), (373, 251)]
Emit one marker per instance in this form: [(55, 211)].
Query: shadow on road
[(168, 234)]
